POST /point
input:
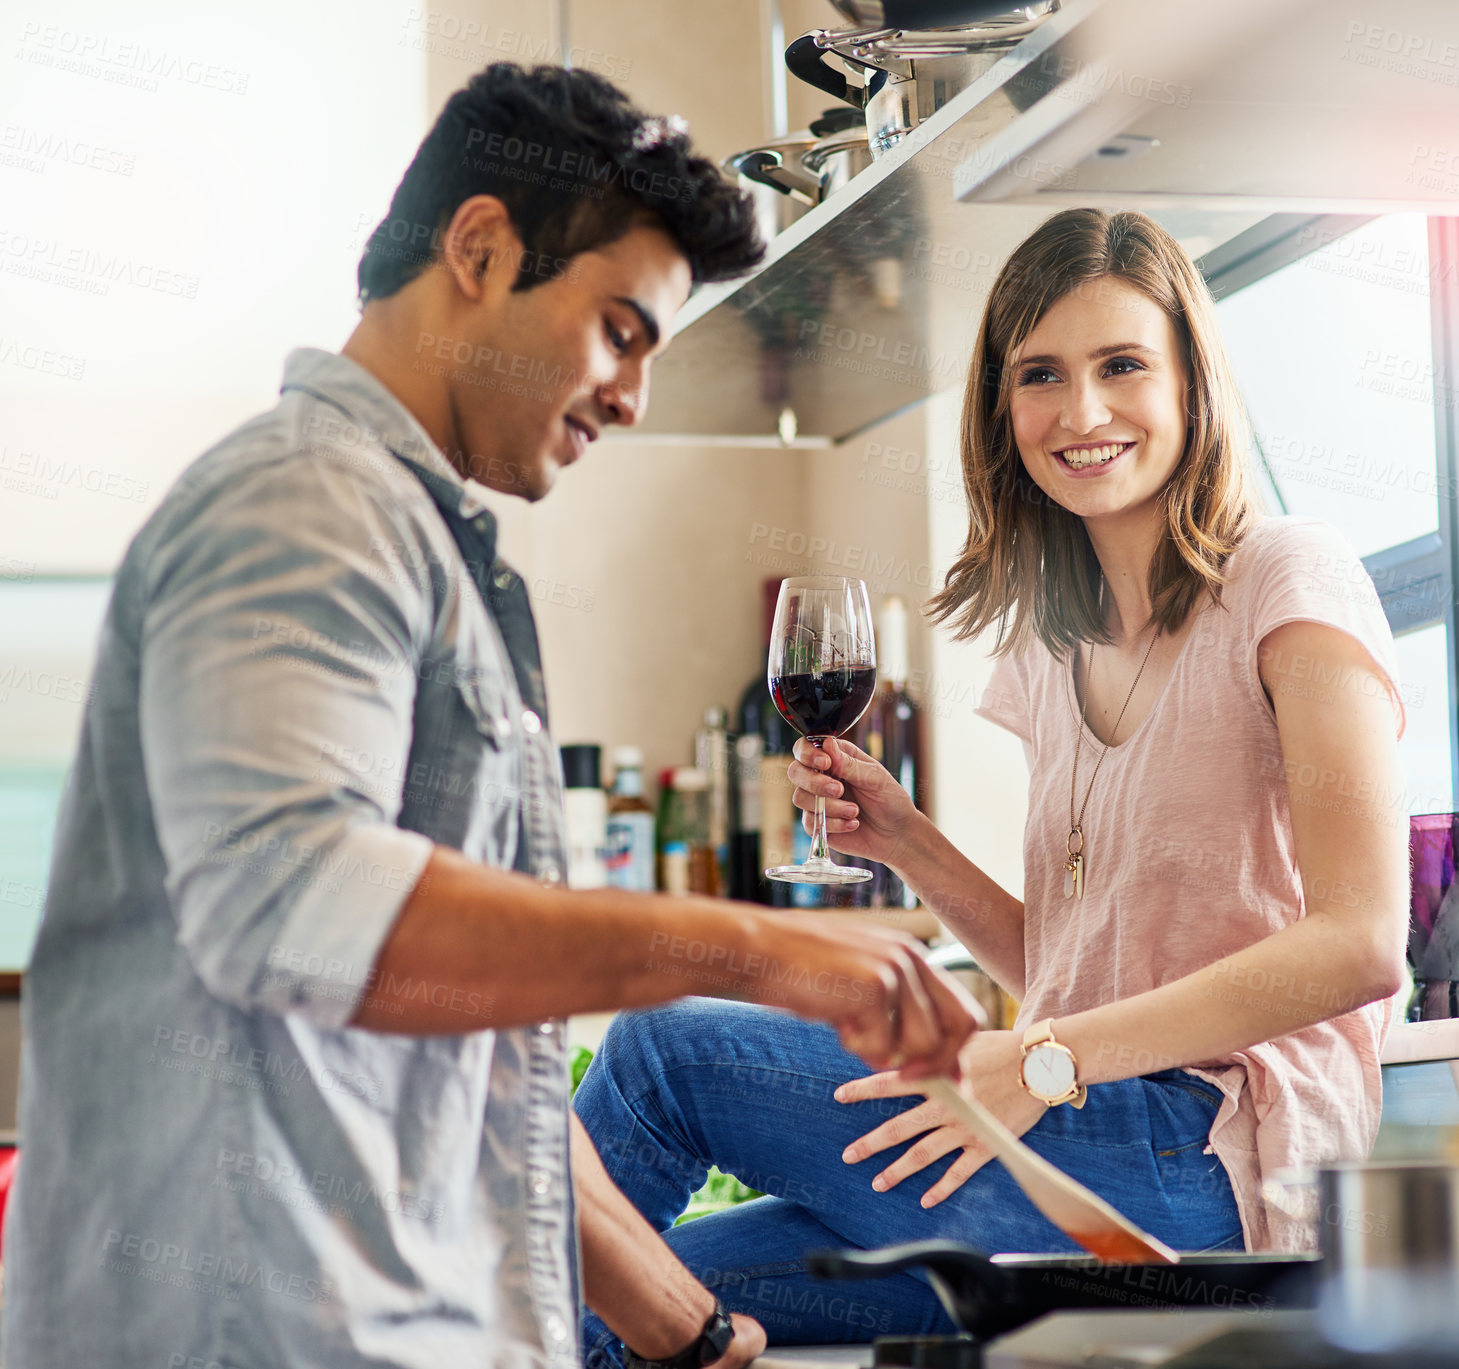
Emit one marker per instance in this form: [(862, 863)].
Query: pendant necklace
[(1074, 863)]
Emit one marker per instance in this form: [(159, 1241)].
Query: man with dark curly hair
[(294, 1079)]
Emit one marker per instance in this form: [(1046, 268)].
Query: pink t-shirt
[(1190, 858)]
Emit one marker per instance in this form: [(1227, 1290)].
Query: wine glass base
[(818, 874)]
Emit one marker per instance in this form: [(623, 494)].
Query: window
[(1423, 669), (29, 797), (1335, 354), (51, 627)]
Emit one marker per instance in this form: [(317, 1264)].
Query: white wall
[(184, 195), (244, 184)]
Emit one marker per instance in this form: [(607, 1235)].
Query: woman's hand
[(990, 1062), (867, 811)]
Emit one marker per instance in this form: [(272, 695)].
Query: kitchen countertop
[(1412, 1041), (825, 1356)]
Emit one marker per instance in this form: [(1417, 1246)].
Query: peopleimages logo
[(205, 1270), (47, 361), (47, 258), (87, 53), (767, 970), (469, 40), (36, 473), (46, 684), (263, 1176), (251, 1067), (44, 147), (853, 558), (568, 168)]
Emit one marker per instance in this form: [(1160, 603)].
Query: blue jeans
[(701, 1082)]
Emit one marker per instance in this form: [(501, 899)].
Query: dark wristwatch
[(713, 1341)]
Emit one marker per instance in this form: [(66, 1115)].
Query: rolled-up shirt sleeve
[(282, 631)]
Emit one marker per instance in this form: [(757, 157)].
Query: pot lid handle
[(842, 119), (922, 14), (806, 59)]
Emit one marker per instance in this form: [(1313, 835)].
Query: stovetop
[(1137, 1340), (1192, 1340)]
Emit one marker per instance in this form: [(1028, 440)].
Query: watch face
[(1048, 1071), (720, 1337)]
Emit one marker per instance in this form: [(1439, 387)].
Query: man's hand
[(990, 1064), (888, 1005), (749, 1342)]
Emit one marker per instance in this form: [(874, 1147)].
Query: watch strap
[(1037, 1033), (708, 1347), (1042, 1034)]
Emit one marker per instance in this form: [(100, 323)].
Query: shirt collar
[(349, 386)]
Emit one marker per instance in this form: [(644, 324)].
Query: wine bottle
[(765, 816), (712, 755), (890, 731)]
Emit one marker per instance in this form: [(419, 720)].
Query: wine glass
[(822, 675)]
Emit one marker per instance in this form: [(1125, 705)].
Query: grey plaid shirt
[(304, 681)]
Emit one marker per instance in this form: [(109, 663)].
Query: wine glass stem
[(820, 850)]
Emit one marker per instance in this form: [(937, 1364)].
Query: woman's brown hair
[(1028, 564)]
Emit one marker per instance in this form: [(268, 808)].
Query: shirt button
[(541, 1184), (531, 722), (556, 1327), (550, 874), (480, 525), (503, 578), (547, 1028)]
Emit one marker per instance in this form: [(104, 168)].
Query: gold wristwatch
[(1048, 1069)]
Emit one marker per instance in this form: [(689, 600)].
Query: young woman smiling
[(1215, 885)]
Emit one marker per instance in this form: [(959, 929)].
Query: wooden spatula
[(1083, 1216)]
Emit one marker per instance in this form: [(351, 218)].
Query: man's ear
[(479, 243)]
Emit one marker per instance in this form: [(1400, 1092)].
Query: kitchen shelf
[(1230, 123)]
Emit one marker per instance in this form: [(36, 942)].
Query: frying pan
[(988, 1296)]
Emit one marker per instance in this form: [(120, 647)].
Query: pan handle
[(760, 168), (969, 1286), (949, 1258), (807, 61), (770, 166), (833, 121)]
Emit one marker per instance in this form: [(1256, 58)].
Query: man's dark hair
[(577, 166)]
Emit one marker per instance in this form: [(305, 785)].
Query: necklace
[(1074, 862)]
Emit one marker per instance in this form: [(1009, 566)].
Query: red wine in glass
[(824, 705), (822, 675)]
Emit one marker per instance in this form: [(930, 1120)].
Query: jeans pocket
[(1213, 1100), (1198, 1189), (1181, 1115)]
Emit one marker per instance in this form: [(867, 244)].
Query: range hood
[(1245, 128)]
